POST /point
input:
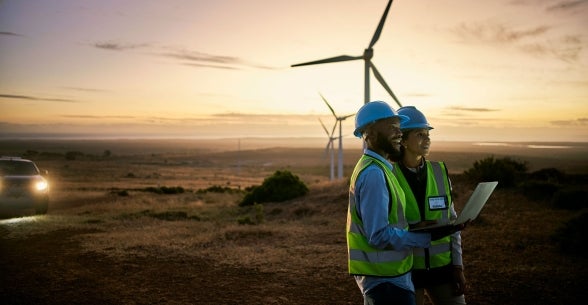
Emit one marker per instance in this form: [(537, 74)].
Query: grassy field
[(108, 240)]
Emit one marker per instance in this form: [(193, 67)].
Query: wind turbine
[(339, 120), (330, 147), (367, 58)]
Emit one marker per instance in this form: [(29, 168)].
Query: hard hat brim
[(359, 130)]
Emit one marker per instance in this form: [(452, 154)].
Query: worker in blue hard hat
[(378, 241), (438, 269)]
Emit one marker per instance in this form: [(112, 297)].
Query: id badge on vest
[(437, 203)]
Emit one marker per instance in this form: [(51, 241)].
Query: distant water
[(536, 146)]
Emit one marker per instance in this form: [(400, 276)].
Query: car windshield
[(11, 167)]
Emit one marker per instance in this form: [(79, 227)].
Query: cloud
[(576, 122), (186, 57), (34, 98), (11, 34), (85, 89), (567, 5), (567, 48), (200, 59), (96, 117), (533, 41), (495, 33), (470, 109), (114, 46)]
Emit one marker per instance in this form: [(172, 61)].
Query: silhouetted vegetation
[(257, 218), (505, 170), (548, 185), (73, 155), (281, 186), (218, 189), (165, 215), (165, 190)]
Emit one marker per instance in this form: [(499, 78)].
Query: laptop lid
[(471, 209), (476, 202)]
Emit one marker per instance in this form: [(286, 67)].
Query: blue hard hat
[(374, 111), (417, 119)]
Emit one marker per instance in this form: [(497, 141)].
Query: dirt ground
[(49, 269), (54, 268)]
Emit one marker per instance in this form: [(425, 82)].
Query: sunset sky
[(501, 70)]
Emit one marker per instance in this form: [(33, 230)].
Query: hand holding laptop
[(440, 232)]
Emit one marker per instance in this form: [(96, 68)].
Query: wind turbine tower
[(368, 53), (339, 120), (330, 149)]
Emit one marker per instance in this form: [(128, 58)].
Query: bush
[(165, 190), (506, 171), (217, 189), (281, 186), (552, 175), (571, 237)]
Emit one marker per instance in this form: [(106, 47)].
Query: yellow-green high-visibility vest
[(363, 259), (437, 207)]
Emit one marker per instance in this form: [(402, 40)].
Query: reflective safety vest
[(364, 259), (436, 207)]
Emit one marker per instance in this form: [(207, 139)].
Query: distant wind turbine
[(367, 57), (330, 149), (339, 120)]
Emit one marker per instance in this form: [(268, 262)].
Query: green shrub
[(217, 189), (281, 186), (165, 190), (258, 217), (506, 171), (571, 237)]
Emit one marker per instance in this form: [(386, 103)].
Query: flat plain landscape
[(108, 239)]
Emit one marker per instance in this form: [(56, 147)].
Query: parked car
[(22, 187)]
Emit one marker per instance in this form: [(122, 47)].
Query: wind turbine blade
[(331, 108), (380, 26), (383, 82), (347, 116), (329, 60), (333, 130), (324, 127)]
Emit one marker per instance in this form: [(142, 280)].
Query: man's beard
[(391, 149)]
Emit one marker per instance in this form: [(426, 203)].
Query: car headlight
[(41, 185)]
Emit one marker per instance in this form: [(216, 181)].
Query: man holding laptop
[(437, 270)]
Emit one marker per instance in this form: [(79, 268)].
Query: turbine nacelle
[(368, 54)]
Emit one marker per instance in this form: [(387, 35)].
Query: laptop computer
[(472, 208)]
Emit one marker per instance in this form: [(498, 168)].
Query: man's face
[(388, 136)]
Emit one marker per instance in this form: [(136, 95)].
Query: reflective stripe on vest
[(439, 254), (364, 259)]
